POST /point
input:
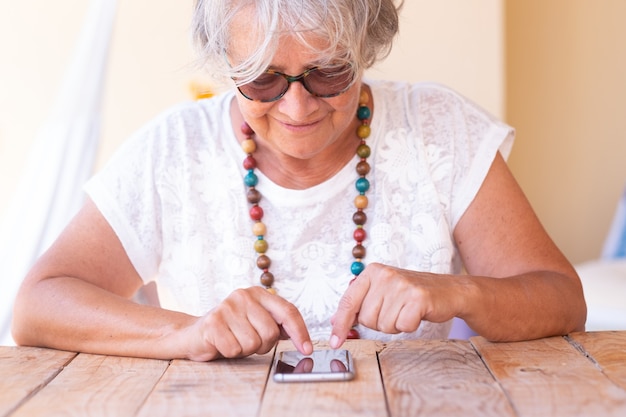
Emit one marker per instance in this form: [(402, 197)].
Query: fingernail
[(334, 341), (307, 347)]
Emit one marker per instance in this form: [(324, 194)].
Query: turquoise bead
[(363, 113), (251, 179), (357, 267), (362, 185)]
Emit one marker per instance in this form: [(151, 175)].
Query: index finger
[(289, 318), (347, 310)]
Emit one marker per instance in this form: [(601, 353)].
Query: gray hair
[(358, 32)]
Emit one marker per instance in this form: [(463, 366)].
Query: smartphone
[(321, 365)]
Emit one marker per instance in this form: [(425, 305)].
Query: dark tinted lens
[(327, 82), (266, 87)]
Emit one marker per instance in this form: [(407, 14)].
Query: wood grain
[(439, 378), (607, 350), (362, 396), (220, 388), (24, 371), (549, 377), (94, 385)]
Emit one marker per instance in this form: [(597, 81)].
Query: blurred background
[(555, 70)]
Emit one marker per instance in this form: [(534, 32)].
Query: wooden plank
[(24, 371), (607, 350), (439, 378), (221, 388), (94, 385), (549, 377), (362, 396)]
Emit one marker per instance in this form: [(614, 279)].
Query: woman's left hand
[(392, 300)]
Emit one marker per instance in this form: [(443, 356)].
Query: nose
[(297, 103)]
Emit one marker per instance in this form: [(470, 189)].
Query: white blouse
[(175, 196)]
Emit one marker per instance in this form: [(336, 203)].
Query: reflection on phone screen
[(319, 362)]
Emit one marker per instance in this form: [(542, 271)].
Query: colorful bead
[(363, 151), (256, 212), (249, 163), (248, 146), (363, 131), (251, 180), (353, 334), (267, 279), (359, 234), (263, 262), (260, 245), (360, 202), (362, 168), (253, 196), (363, 113), (358, 252), (357, 267), (362, 185), (359, 218)]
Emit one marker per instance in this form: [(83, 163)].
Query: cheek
[(251, 110)]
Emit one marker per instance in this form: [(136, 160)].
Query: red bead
[(249, 162), (354, 334), (359, 234), (246, 129), (256, 213)]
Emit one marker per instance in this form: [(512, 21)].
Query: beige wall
[(566, 95)]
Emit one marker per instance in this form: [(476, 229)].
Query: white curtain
[(61, 159)]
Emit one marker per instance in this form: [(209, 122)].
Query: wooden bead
[(249, 162), (263, 262), (363, 131), (353, 334), (253, 196), (363, 151), (359, 218), (362, 168), (259, 229), (360, 202), (248, 146), (246, 129), (359, 251), (359, 235), (364, 98), (256, 212), (260, 246), (267, 279)]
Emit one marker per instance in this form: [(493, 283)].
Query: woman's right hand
[(248, 321)]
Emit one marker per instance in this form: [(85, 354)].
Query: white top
[(175, 196)]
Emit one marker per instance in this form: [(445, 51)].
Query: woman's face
[(298, 125)]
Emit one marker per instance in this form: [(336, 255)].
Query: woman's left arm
[(519, 285), (538, 292)]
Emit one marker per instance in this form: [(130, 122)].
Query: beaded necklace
[(359, 217)]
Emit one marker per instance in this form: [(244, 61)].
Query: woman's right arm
[(77, 297)]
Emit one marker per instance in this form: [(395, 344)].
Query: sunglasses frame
[(301, 78)]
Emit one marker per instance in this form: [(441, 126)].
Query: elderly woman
[(305, 203)]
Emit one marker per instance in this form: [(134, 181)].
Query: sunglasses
[(319, 82)]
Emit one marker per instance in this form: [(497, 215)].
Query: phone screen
[(321, 365)]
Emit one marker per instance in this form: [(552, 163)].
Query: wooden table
[(583, 374)]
